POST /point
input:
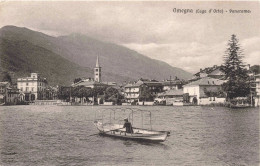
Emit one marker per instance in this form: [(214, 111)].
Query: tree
[(113, 95), (76, 80), (81, 91), (237, 84), (145, 93), (110, 92), (7, 77), (64, 93), (98, 91)]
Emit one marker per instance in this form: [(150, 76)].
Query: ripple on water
[(53, 135)]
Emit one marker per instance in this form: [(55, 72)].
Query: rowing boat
[(116, 130)]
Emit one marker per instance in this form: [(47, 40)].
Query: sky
[(189, 41)]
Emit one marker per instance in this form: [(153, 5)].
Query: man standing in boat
[(128, 126)]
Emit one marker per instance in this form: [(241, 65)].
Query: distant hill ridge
[(61, 59)]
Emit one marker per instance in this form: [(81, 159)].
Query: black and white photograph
[(129, 83)]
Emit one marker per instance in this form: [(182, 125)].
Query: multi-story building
[(33, 87), (134, 91), (170, 97), (3, 90), (8, 94), (12, 96), (205, 91), (172, 84)]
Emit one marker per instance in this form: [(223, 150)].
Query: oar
[(104, 132)]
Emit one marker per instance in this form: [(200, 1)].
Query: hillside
[(61, 59), (22, 58)]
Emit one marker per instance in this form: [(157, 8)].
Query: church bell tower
[(97, 71)]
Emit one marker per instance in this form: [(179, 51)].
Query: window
[(1, 89), (21, 88), (27, 83), (27, 89), (96, 69), (32, 89)]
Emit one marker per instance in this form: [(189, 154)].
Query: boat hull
[(117, 131)]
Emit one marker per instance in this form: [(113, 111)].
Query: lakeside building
[(212, 72), (172, 84), (33, 87), (89, 84), (13, 96), (257, 90), (170, 97), (3, 89), (9, 94), (134, 91), (205, 91)]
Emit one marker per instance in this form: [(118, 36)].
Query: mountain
[(22, 58), (61, 59)]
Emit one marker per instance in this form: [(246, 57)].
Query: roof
[(142, 82), (4, 83), (133, 85), (152, 83), (89, 83), (173, 82), (97, 62), (110, 83), (216, 72), (208, 70), (206, 81), (172, 92)]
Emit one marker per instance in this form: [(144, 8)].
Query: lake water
[(58, 135)]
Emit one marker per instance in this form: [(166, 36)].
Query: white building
[(257, 98), (133, 91), (205, 91), (33, 87), (170, 97), (172, 84)]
